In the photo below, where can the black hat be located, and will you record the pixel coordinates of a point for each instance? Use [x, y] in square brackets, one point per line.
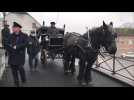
[53, 23]
[15, 24]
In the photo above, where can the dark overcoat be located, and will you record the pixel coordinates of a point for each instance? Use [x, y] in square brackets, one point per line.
[33, 46]
[5, 33]
[17, 56]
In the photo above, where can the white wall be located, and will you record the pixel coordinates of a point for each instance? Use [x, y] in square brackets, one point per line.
[23, 19]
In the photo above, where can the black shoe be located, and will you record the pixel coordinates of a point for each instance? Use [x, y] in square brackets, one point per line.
[17, 84]
[24, 81]
[31, 70]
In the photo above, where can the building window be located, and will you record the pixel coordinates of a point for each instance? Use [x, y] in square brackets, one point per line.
[133, 41]
[122, 41]
[130, 42]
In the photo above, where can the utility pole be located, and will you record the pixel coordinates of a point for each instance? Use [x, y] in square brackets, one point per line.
[89, 40]
[57, 19]
[4, 18]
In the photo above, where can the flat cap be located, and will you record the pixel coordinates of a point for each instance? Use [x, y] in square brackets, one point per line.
[15, 24]
[52, 23]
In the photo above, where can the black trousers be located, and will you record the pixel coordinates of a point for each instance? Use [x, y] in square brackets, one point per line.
[16, 71]
[33, 61]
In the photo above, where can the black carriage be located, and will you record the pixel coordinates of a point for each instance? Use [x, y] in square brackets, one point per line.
[52, 43]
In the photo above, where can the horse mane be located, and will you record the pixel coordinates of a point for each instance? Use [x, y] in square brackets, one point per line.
[76, 34]
[95, 36]
[68, 34]
[93, 32]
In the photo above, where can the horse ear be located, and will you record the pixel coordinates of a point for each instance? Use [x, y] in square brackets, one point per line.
[104, 24]
[111, 24]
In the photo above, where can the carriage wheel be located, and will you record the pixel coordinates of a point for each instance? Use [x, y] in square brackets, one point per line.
[43, 57]
[65, 64]
[52, 54]
[66, 72]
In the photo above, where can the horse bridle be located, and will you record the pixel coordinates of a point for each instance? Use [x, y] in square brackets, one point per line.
[89, 40]
[90, 46]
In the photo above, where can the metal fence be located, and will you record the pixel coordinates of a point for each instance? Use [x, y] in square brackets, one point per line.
[118, 67]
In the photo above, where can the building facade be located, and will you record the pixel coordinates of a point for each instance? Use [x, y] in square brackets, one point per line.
[26, 20]
[125, 43]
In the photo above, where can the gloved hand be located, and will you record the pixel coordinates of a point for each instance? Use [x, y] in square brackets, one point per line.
[14, 47]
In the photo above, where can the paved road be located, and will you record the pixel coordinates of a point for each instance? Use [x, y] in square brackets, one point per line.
[52, 75]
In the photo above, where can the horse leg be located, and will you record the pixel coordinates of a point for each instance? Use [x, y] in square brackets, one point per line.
[43, 56]
[66, 64]
[81, 71]
[88, 75]
[72, 65]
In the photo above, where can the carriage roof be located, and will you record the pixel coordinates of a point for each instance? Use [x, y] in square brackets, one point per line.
[46, 28]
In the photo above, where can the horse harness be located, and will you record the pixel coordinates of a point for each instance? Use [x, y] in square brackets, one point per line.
[89, 44]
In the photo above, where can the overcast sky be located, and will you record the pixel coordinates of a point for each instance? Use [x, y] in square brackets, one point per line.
[77, 21]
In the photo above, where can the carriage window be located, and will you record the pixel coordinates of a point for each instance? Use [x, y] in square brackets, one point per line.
[130, 42]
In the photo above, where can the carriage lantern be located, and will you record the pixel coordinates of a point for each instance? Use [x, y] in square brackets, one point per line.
[64, 26]
[43, 23]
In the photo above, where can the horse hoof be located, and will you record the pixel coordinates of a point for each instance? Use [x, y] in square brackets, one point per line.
[80, 83]
[72, 73]
[89, 83]
[66, 73]
[83, 84]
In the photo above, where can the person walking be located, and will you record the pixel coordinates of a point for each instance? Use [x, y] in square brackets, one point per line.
[33, 50]
[16, 46]
[5, 33]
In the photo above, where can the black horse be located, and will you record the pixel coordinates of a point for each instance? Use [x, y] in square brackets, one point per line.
[86, 48]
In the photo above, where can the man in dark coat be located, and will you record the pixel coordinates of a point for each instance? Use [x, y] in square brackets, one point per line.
[5, 35]
[53, 30]
[16, 46]
[33, 50]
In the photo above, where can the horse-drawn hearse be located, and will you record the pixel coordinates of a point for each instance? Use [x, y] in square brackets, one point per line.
[52, 42]
[84, 47]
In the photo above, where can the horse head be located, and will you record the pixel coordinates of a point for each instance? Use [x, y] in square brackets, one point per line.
[108, 37]
[103, 36]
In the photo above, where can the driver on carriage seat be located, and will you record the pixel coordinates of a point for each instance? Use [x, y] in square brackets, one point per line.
[53, 30]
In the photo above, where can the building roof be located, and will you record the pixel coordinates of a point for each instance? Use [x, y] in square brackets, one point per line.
[33, 19]
[24, 13]
[19, 12]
